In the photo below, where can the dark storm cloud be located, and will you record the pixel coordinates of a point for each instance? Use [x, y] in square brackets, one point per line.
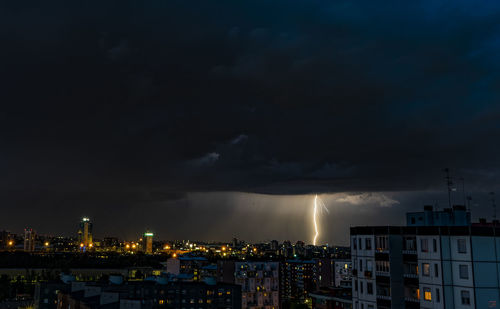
[148, 101]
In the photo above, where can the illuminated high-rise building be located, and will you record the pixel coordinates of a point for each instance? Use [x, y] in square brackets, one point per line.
[149, 242]
[85, 233]
[29, 240]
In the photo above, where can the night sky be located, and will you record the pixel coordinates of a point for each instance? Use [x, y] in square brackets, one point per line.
[212, 119]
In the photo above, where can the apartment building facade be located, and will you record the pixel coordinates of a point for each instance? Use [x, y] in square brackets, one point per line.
[259, 281]
[427, 266]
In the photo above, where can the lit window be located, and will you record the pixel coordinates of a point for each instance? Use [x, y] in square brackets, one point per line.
[426, 269]
[427, 294]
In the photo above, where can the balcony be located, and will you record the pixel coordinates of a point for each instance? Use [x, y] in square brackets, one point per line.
[383, 297]
[410, 275]
[411, 281]
[381, 256]
[411, 251]
[383, 303]
[382, 273]
[412, 305]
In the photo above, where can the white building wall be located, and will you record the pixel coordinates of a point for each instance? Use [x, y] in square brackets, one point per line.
[363, 259]
[430, 254]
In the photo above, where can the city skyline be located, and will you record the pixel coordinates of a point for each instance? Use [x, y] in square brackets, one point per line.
[332, 225]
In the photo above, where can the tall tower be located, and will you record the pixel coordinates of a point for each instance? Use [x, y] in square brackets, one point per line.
[85, 233]
[29, 240]
[149, 242]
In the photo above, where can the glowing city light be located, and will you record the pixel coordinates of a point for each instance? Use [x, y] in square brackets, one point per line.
[317, 202]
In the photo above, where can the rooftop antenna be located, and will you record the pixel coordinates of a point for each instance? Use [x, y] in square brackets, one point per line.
[463, 189]
[449, 184]
[494, 205]
[469, 199]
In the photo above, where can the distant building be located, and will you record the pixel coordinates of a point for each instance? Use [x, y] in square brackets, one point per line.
[110, 243]
[5, 238]
[149, 294]
[287, 249]
[326, 272]
[46, 294]
[299, 248]
[186, 268]
[149, 242]
[342, 273]
[208, 272]
[274, 245]
[29, 240]
[259, 281]
[456, 216]
[300, 277]
[85, 234]
[332, 298]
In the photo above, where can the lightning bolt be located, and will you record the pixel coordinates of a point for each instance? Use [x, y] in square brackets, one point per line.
[314, 219]
[322, 206]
